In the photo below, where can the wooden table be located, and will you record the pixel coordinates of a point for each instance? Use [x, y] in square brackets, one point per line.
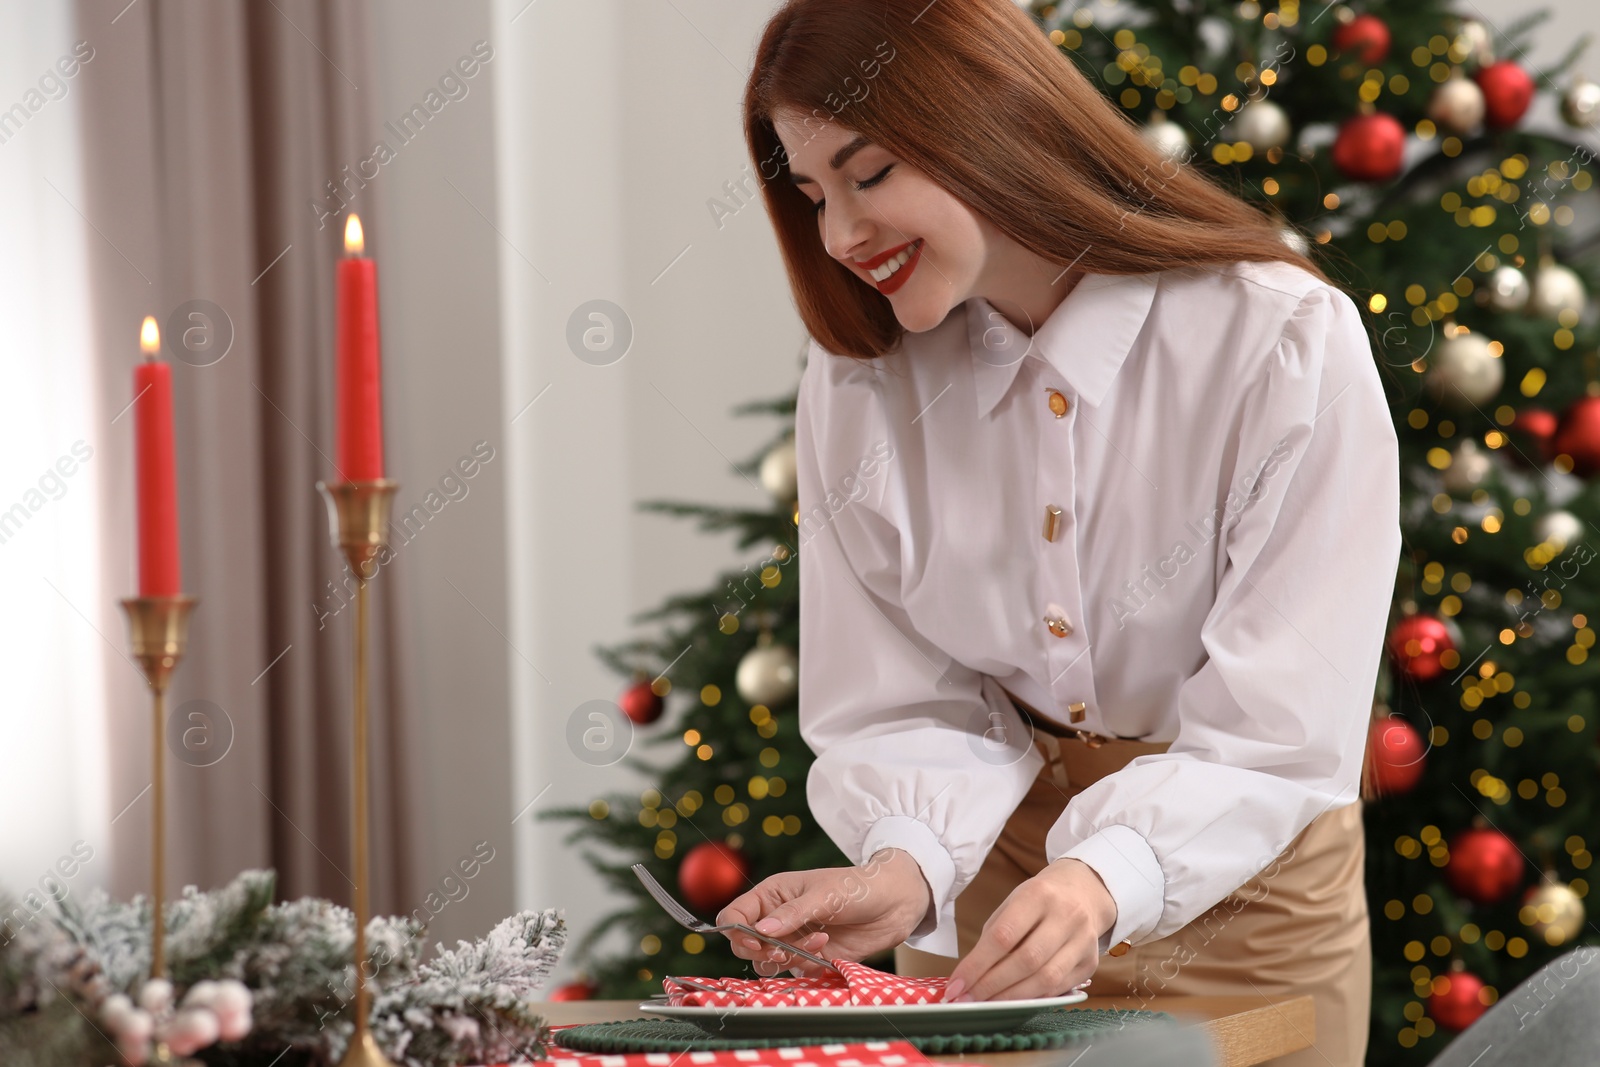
[1243, 1030]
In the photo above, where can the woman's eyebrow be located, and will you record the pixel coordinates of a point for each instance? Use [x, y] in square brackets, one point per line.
[840, 158]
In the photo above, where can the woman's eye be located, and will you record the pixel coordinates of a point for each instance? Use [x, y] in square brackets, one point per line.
[876, 178]
[868, 184]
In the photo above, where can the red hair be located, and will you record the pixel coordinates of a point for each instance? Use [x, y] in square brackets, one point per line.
[974, 95]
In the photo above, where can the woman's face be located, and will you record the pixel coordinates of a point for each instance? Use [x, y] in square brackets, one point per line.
[878, 210]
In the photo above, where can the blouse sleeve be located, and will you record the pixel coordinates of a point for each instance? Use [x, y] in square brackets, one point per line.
[913, 749]
[1272, 728]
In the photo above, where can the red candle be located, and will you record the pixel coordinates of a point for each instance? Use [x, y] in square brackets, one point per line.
[360, 385]
[156, 468]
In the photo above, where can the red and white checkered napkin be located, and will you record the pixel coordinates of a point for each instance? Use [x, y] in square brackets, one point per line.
[860, 1054]
[857, 984]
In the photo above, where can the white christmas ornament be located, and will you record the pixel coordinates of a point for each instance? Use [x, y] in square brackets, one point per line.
[1456, 105]
[778, 473]
[1507, 289]
[1476, 41]
[1261, 124]
[1555, 289]
[1580, 104]
[1559, 529]
[768, 674]
[1469, 466]
[1465, 372]
[1166, 137]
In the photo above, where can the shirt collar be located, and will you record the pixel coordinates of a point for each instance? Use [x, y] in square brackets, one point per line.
[1085, 339]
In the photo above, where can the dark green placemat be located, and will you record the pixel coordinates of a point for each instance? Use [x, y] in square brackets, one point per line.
[1052, 1029]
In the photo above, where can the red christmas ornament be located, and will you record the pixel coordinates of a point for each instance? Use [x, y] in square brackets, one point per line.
[1416, 643]
[640, 703]
[1369, 148]
[1396, 756]
[1367, 36]
[579, 990]
[1533, 429]
[711, 874]
[1578, 435]
[1456, 1001]
[1507, 92]
[1485, 866]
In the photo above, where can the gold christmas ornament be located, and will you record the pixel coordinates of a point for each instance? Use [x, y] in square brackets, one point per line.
[1465, 371]
[769, 673]
[1507, 289]
[1558, 529]
[1261, 124]
[1555, 289]
[1580, 104]
[1456, 105]
[1469, 466]
[778, 472]
[1476, 41]
[1553, 911]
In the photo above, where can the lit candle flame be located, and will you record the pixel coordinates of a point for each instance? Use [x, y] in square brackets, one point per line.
[149, 337]
[354, 242]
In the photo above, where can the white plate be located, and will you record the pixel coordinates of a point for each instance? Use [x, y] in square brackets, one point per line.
[887, 1020]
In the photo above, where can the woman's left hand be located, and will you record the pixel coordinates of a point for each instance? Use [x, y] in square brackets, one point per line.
[1042, 940]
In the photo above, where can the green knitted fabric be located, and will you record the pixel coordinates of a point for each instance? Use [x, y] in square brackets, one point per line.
[1050, 1030]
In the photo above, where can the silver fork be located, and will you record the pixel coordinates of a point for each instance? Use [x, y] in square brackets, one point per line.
[692, 984]
[686, 918]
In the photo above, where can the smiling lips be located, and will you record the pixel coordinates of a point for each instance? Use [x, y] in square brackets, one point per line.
[891, 269]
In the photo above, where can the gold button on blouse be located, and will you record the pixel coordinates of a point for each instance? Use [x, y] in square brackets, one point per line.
[1119, 949]
[1058, 626]
[1058, 403]
[1052, 521]
[1076, 711]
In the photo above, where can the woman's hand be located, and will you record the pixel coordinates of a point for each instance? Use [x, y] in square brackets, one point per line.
[856, 911]
[1042, 940]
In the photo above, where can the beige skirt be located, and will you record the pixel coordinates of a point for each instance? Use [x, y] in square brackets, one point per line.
[1301, 927]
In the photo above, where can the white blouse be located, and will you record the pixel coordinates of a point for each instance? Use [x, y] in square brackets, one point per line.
[1212, 451]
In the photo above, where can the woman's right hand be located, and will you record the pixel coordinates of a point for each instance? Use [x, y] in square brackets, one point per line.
[854, 911]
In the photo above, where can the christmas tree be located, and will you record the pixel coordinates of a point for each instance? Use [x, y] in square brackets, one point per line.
[728, 808]
[1390, 141]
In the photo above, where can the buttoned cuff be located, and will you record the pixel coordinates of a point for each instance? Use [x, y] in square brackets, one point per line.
[937, 931]
[1126, 864]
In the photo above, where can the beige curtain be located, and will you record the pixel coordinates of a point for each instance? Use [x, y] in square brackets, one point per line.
[209, 130]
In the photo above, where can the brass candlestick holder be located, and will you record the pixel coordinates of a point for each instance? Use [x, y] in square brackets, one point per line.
[158, 632]
[358, 520]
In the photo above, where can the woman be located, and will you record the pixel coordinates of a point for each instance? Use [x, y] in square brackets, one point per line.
[1099, 515]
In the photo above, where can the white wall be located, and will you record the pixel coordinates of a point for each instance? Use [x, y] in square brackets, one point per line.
[616, 125]
[566, 174]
